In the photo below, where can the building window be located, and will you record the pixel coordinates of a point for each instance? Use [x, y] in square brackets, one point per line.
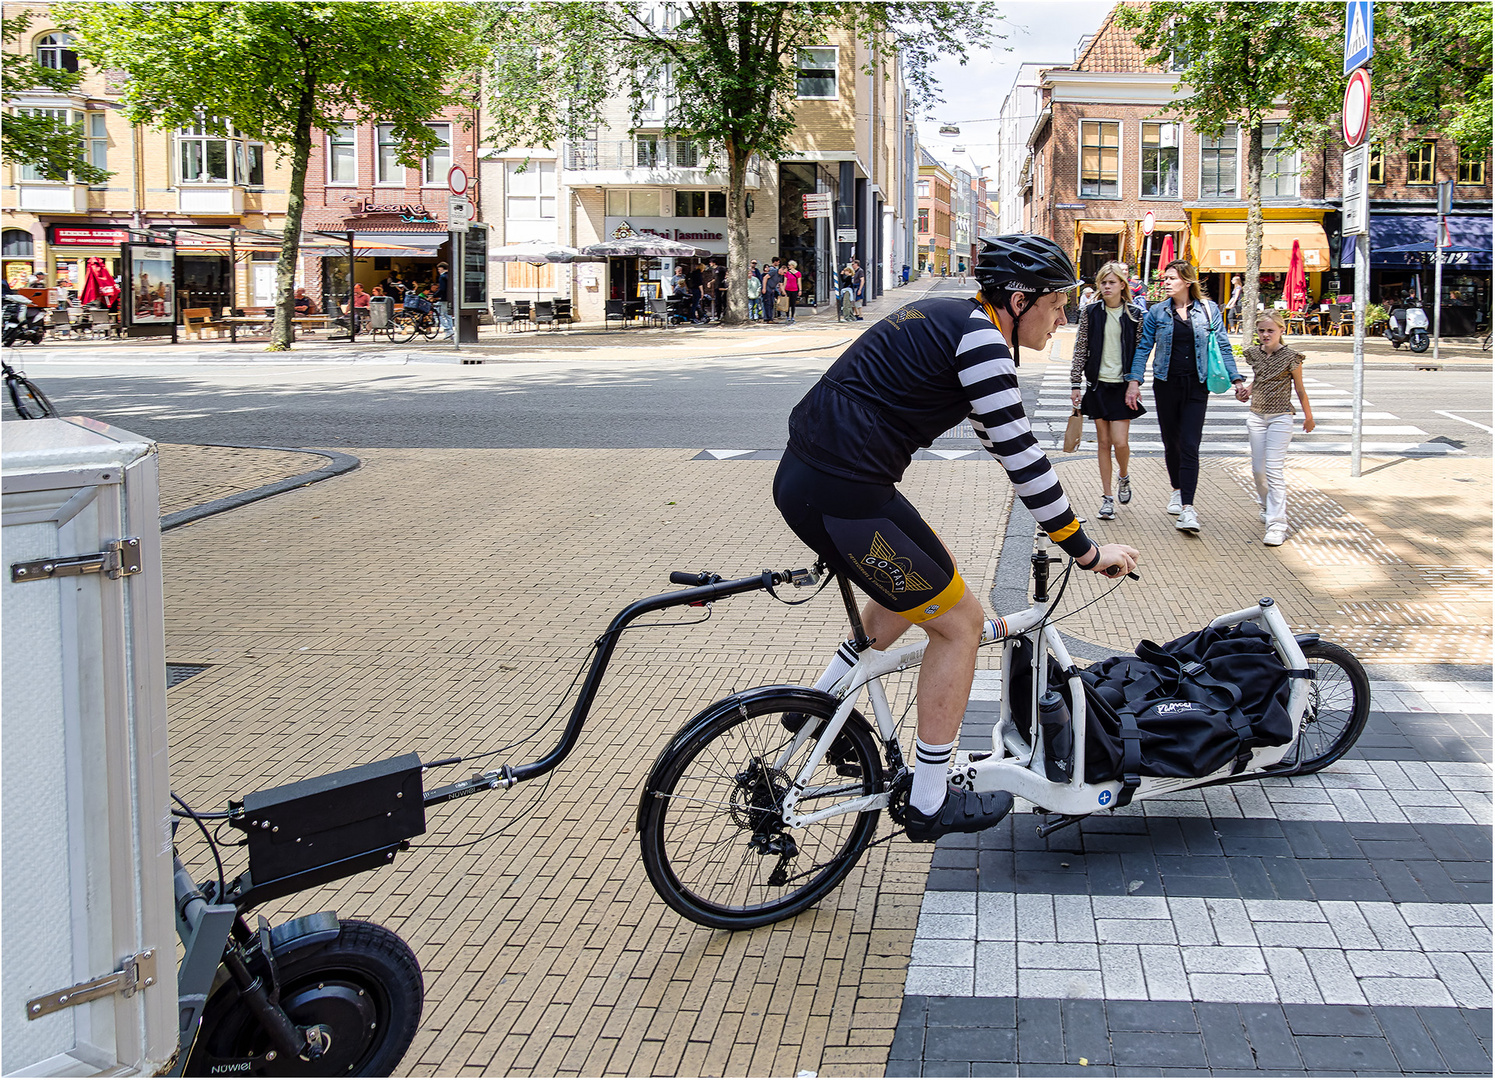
[91, 132]
[17, 244]
[1420, 163]
[251, 163]
[630, 202]
[52, 51]
[387, 167]
[98, 141]
[342, 155]
[923, 219]
[1471, 166]
[1219, 169]
[529, 194]
[923, 187]
[1100, 159]
[817, 73]
[1159, 161]
[439, 162]
[1279, 165]
[700, 204]
[1375, 171]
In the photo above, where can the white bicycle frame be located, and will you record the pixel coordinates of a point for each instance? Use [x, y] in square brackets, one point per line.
[1016, 763]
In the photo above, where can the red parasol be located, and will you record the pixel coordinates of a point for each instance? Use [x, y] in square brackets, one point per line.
[98, 285]
[1166, 256]
[1296, 290]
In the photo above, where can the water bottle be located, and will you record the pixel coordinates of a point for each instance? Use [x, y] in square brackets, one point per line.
[1058, 737]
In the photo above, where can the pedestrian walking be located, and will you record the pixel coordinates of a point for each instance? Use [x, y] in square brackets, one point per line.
[1233, 309]
[791, 287]
[755, 295]
[1088, 294]
[443, 300]
[694, 279]
[1104, 343]
[1176, 333]
[962, 271]
[859, 283]
[1276, 372]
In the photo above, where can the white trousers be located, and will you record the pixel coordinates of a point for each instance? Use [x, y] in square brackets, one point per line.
[1270, 436]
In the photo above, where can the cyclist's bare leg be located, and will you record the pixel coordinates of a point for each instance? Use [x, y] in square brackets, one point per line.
[949, 664]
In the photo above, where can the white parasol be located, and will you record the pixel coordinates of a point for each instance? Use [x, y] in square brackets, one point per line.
[540, 252]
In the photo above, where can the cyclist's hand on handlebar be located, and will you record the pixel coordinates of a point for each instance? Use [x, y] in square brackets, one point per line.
[1116, 560]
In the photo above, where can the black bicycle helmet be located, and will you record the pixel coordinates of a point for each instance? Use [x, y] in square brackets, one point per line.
[1022, 263]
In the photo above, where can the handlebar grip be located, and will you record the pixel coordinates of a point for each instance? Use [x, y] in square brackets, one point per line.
[683, 577]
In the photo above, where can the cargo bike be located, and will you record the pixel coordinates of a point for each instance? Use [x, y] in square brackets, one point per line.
[755, 810]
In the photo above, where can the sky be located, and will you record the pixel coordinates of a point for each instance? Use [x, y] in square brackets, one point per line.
[1037, 33]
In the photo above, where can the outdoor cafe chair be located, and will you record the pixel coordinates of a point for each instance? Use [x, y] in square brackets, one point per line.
[614, 309]
[545, 313]
[503, 314]
[563, 312]
[521, 311]
[659, 311]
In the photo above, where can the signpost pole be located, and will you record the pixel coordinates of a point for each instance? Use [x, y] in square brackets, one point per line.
[1445, 198]
[1362, 301]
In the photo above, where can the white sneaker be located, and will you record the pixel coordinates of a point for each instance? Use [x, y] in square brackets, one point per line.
[1275, 535]
[1176, 503]
[1263, 516]
[1107, 508]
[1187, 521]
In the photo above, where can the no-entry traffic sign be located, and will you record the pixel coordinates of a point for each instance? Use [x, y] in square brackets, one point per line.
[456, 180]
[1356, 112]
[1147, 222]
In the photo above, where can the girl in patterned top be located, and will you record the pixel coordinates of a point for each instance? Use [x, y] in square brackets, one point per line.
[1276, 372]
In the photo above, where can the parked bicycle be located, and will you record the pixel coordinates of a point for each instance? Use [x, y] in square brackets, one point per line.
[27, 398]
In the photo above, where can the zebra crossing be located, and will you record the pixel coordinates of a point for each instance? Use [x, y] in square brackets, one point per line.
[1225, 425]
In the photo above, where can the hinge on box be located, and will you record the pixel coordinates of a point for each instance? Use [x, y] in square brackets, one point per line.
[120, 559]
[136, 973]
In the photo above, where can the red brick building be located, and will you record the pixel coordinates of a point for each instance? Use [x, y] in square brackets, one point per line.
[355, 184]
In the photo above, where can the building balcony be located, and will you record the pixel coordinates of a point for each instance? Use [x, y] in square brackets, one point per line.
[649, 162]
[225, 199]
[48, 197]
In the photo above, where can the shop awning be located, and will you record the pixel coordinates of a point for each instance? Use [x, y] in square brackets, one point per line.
[1418, 231]
[1099, 225]
[1222, 246]
[426, 243]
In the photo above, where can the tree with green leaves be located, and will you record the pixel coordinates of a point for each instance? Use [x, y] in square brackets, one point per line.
[730, 68]
[52, 146]
[278, 71]
[1431, 73]
[1247, 64]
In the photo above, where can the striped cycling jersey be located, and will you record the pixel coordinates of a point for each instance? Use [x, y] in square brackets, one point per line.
[912, 377]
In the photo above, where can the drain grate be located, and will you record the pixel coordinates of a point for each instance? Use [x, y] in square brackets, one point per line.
[178, 673]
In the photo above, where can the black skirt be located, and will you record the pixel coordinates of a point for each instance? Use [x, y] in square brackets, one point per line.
[1107, 401]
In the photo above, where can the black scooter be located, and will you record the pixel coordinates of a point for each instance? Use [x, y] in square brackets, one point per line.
[25, 323]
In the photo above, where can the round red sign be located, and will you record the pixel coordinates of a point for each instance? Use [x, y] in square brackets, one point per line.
[1147, 222]
[456, 179]
[1356, 112]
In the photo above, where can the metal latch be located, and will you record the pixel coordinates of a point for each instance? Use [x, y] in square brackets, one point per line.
[120, 559]
[136, 973]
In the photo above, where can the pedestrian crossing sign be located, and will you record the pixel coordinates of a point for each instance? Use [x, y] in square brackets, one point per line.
[1359, 34]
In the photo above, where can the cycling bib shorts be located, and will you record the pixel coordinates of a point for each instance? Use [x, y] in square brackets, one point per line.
[871, 534]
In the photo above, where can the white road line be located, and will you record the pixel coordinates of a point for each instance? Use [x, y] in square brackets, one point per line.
[1464, 420]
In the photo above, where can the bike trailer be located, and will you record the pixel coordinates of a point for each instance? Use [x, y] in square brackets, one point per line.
[86, 927]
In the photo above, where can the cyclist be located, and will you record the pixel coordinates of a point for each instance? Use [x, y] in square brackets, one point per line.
[912, 377]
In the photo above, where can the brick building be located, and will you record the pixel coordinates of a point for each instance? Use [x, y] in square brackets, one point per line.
[354, 184]
[936, 238]
[1107, 146]
[195, 180]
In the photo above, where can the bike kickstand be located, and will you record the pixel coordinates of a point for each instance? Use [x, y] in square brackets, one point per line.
[1051, 826]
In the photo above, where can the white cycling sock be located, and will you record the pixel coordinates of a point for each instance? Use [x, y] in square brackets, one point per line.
[931, 772]
[844, 660]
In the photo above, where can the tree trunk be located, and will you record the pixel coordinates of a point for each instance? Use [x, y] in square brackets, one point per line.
[1252, 284]
[290, 244]
[735, 313]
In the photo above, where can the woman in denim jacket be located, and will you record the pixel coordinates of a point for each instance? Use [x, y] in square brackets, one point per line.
[1178, 374]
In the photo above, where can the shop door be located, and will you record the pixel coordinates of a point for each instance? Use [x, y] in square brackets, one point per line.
[1097, 249]
[622, 277]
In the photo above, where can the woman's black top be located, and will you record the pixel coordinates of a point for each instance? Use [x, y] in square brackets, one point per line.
[1181, 357]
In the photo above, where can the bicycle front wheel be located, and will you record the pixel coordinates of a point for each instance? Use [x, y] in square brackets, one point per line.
[714, 844]
[29, 402]
[1338, 706]
[404, 328]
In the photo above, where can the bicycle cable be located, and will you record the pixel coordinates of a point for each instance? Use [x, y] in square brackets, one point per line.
[213, 847]
[1116, 585]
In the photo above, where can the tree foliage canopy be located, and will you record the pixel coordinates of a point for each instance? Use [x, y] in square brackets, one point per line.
[1431, 72]
[53, 147]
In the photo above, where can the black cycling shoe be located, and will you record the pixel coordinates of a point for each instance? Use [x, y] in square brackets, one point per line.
[963, 812]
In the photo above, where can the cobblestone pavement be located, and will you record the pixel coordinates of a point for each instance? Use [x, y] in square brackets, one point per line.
[193, 475]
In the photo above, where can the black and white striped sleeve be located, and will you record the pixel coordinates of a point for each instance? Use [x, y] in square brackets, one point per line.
[984, 365]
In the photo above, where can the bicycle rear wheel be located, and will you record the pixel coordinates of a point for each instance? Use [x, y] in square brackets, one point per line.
[713, 843]
[404, 328]
[1338, 706]
[30, 403]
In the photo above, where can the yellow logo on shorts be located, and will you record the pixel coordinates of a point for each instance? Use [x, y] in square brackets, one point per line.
[895, 574]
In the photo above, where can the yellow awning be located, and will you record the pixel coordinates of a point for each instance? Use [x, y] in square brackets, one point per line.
[1099, 225]
[1222, 246]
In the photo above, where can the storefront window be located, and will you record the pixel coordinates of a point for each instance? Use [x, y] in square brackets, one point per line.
[1159, 161]
[439, 162]
[1218, 168]
[1100, 156]
[17, 244]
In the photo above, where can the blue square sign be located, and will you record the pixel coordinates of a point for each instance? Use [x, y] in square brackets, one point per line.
[1359, 34]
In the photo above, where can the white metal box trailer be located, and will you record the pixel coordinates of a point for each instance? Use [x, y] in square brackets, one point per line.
[87, 938]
